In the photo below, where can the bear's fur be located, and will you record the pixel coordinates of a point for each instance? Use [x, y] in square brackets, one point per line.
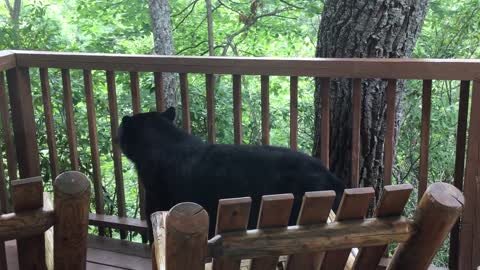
[177, 167]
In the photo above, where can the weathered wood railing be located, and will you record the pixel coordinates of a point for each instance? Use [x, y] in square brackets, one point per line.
[181, 234]
[31, 219]
[22, 149]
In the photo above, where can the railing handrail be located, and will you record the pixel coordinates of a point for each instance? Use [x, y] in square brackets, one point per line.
[398, 68]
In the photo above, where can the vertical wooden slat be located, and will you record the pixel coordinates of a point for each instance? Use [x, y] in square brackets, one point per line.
[354, 205]
[27, 195]
[470, 229]
[294, 112]
[325, 125]
[425, 137]
[265, 106]
[237, 109]
[459, 166]
[315, 210]
[23, 119]
[49, 123]
[135, 92]
[159, 94]
[232, 215]
[3, 256]
[389, 131]
[69, 118]
[92, 134]
[392, 202]
[185, 103]
[274, 212]
[210, 85]
[117, 155]
[356, 118]
[7, 132]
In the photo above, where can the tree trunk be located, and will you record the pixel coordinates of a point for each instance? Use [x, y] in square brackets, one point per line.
[368, 28]
[15, 19]
[163, 44]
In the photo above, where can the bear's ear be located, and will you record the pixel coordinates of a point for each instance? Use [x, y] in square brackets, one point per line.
[126, 119]
[170, 114]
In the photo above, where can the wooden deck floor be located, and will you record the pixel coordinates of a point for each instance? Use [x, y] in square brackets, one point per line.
[103, 254]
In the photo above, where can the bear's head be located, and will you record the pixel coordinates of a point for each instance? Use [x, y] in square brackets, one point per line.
[141, 132]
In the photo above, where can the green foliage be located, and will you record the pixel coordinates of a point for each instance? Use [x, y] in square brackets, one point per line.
[266, 28]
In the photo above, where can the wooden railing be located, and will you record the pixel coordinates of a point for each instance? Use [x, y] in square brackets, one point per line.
[22, 148]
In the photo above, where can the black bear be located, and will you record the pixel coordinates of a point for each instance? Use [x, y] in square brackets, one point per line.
[175, 167]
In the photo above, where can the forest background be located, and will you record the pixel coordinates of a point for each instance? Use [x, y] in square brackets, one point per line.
[284, 29]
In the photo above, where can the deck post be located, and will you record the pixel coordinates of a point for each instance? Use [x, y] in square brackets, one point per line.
[437, 212]
[180, 237]
[71, 202]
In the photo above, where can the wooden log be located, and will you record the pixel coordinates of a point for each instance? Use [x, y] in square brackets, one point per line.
[436, 214]
[265, 108]
[186, 237]
[159, 239]
[293, 113]
[312, 238]
[187, 125]
[315, 209]
[27, 195]
[391, 204]
[210, 85]
[25, 224]
[354, 205]
[232, 215]
[71, 201]
[274, 212]
[237, 108]
[425, 137]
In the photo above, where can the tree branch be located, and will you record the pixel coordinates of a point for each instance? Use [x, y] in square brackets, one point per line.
[185, 17]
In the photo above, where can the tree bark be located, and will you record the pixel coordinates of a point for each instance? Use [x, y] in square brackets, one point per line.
[14, 12]
[163, 44]
[363, 29]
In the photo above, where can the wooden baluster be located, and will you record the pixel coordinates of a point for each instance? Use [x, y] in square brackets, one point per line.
[117, 155]
[27, 194]
[135, 92]
[354, 205]
[356, 118]
[470, 229]
[237, 108]
[71, 199]
[159, 94]
[3, 210]
[233, 215]
[49, 123]
[325, 125]
[390, 93]
[7, 132]
[315, 210]
[441, 202]
[185, 103]
[93, 137]
[459, 166]
[294, 113]
[391, 204]
[69, 118]
[265, 106]
[425, 137]
[186, 237]
[210, 85]
[274, 212]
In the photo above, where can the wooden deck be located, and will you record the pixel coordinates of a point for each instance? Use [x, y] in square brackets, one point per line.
[103, 254]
